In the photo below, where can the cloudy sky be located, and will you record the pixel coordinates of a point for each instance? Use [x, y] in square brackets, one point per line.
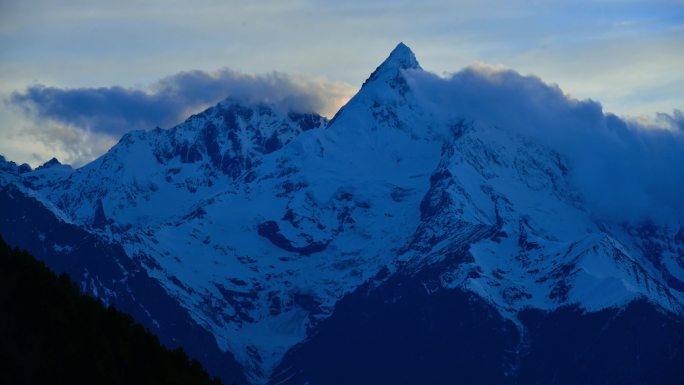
[75, 75]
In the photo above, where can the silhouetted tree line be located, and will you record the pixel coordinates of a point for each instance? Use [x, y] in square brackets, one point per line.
[50, 333]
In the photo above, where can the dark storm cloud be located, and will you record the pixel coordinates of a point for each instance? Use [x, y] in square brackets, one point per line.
[116, 110]
[624, 169]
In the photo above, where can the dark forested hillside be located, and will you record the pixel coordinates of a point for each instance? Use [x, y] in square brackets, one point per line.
[52, 334]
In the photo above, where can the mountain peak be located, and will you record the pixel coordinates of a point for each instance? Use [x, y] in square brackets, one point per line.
[401, 58]
[50, 163]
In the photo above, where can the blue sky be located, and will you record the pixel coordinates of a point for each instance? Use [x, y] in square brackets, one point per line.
[628, 55]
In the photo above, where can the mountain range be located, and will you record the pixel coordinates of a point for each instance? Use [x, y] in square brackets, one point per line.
[412, 238]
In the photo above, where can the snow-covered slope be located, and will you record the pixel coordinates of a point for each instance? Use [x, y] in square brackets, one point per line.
[259, 221]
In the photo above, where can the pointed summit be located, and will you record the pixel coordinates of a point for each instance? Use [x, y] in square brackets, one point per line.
[401, 58]
[50, 163]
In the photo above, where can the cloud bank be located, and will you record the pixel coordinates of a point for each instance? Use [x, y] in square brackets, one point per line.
[625, 169]
[117, 110]
[81, 123]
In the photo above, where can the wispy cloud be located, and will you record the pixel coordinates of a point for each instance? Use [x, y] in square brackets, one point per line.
[674, 121]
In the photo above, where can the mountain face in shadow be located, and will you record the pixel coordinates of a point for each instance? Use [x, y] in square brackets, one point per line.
[53, 334]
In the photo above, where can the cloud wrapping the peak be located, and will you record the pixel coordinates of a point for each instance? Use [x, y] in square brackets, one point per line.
[625, 169]
[116, 110]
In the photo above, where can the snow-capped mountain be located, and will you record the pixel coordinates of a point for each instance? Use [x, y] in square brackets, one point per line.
[265, 226]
